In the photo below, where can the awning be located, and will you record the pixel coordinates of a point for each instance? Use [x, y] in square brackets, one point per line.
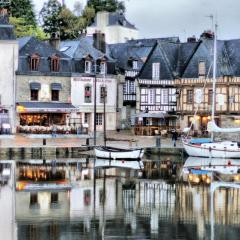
[35, 86]
[152, 115]
[45, 107]
[56, 86]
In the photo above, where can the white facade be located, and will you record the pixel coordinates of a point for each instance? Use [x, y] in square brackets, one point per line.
[113, 33]
[8, 66]
[85, 110]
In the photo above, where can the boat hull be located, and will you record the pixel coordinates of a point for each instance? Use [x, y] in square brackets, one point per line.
[207, 150]
[133, 154]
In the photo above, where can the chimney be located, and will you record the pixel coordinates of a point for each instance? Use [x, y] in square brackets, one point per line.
[54, 41]
[4, 16]
[192, 39]
[208, 34]
[99, 41]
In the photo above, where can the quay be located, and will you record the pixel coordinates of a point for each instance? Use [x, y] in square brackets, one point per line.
[64, 146]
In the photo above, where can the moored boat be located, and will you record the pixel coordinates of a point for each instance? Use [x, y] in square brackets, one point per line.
[118, 153]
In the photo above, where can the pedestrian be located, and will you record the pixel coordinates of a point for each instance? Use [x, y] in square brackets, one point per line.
[54, 131]
[174, 137]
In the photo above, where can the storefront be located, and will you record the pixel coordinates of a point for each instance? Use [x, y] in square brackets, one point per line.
[41, 117]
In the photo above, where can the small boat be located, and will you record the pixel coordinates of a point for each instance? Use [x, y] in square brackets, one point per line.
[118, 153]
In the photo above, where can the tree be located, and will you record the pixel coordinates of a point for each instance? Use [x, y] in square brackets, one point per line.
[106, 5]
[22, 29]
[50, 16]
[23, 9]
[77, 8]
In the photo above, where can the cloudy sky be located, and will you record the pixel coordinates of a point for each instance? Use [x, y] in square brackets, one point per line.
[165, 18]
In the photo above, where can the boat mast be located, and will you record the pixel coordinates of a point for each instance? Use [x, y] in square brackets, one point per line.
[214, 76]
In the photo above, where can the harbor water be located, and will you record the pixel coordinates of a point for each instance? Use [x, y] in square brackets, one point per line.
[68, 199]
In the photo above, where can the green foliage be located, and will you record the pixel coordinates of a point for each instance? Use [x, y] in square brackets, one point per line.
[106, 5]
[23, 9]
[50, 15]
[23, 29]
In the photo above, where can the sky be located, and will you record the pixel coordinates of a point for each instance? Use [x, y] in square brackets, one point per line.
[183, 18]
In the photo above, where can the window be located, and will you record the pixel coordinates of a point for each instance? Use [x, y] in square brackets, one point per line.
[189, 96]
[131, 87]
[210, 96]
[102, 68]
[156, 71]
[55, 95]
[54, 64]
[99, 119]
[88, 94]
[34, 62]
[86, 117]
[88, 67]
[34, 95]
[201, 69]
[151, 96]
[103, 91]
[165, 96]
[135, 64]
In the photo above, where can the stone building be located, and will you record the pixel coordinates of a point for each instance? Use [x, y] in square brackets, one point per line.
[43, 86]
[8, 66]
[116, 27]
[91, 63]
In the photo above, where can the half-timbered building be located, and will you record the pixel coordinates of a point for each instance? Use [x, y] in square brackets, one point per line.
[195, 83]
[156, 92]
[130, 57]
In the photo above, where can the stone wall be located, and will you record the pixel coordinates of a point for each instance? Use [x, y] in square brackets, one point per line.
[23, 88]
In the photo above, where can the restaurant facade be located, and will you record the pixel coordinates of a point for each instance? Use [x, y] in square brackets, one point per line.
[43, 97]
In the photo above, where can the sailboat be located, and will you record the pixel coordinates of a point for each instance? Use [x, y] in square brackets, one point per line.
[107, 152]
[209, 147]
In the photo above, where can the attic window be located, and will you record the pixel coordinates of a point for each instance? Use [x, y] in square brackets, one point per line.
[103, 67]
[88, 66]
[201, 69]
[54, 64]
[135, 64]
[156, 71]
[34, 62]
[63, 49]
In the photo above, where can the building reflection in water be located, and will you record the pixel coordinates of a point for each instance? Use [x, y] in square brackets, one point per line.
[109, 203]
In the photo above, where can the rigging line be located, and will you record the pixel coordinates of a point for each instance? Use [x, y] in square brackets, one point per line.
[204, 86]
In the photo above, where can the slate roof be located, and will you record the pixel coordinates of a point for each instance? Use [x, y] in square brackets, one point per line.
[31, 45]
[167, 54]
[116, 18]
[6, 30]
[80, 48]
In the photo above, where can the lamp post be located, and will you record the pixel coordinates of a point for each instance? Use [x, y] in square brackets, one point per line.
[95, 103]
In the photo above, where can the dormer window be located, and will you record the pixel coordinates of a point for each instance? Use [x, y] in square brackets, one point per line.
[201, 69]
[103, 67]
[135, 64]
[34, 62]
[88, 66]
[156, 71]
[54, 64]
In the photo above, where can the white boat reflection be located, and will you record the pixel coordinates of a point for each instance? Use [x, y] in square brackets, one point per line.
[197, 169]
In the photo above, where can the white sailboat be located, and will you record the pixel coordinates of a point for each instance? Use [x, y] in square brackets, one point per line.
[209, 147]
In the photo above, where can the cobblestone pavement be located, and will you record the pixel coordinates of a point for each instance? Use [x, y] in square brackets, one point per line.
[123, 138]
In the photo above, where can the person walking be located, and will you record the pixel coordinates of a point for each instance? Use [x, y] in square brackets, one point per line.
[174, 137]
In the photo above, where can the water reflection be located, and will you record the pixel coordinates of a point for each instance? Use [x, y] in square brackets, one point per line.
[85, 199]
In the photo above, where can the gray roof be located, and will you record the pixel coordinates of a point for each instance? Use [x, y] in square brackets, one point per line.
[116, 18]
[82, 47]
[167, 54]
[6, 32]
[31, 45]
